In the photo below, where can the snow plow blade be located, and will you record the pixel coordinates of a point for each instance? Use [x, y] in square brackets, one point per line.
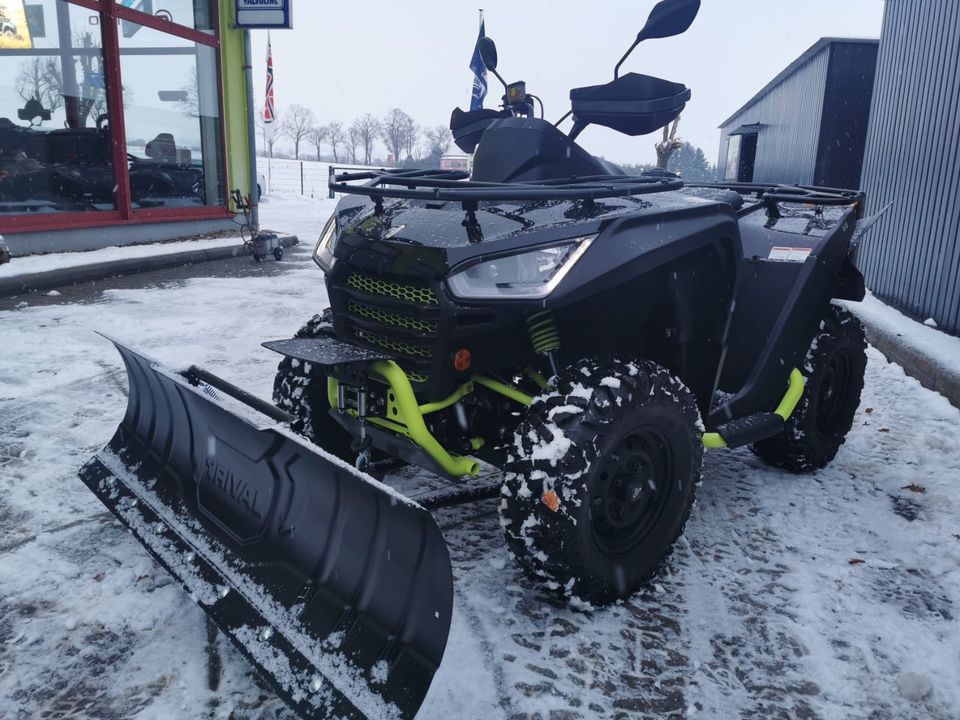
[338, 589]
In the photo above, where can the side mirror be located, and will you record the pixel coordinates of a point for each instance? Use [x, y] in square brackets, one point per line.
[488, 52]
[669, 18]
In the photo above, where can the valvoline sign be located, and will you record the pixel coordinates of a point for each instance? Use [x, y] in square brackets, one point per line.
[264, 14]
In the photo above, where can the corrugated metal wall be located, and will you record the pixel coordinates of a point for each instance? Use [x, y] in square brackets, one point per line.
[912, 257]
[791, 111]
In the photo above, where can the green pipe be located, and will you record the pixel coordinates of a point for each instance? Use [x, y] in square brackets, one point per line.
[403, 408]
[784, 409]
[457, 395]
[405, 415]
[503, 389]
[792, 398]
[539, 379]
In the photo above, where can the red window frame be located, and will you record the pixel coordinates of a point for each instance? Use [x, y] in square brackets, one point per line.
[110, 15]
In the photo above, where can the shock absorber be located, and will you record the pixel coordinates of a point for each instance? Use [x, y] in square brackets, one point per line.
[544, 337]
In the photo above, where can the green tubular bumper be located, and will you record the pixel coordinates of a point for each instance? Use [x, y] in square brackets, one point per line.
[784, 409]
[405, 415]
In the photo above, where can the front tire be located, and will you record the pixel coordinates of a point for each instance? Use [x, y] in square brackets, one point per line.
[603, 478]
[300, 388]
[833, 369]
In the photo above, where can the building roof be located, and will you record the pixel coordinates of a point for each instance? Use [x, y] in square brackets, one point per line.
[796, 65]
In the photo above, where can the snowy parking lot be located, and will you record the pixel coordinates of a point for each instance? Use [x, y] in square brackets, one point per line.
[827, 596]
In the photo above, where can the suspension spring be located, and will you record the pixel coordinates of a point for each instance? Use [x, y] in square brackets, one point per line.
[543, 332]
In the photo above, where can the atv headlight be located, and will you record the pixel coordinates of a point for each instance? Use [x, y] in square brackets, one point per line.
[533, 274]
[323, 252]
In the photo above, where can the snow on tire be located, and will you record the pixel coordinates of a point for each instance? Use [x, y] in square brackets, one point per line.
[833, 369]
[602, 478]
[300, 389]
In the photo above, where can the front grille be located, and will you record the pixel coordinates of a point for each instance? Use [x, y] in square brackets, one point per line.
[397, 315]
[394, 345]
[393, 319]
[404, 292]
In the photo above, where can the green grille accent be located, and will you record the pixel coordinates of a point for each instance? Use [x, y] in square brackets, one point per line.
[398, 320]
[398, 291]
[392, 344]
[418, 378]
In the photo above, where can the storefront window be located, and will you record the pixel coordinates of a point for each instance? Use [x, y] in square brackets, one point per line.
[195, 14]
[55, 136]
[171, 110]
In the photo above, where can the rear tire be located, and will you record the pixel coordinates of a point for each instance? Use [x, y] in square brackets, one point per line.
[300, 389]
[834, 369]
[616, 451]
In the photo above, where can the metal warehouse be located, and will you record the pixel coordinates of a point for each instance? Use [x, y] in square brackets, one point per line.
[912, 257]
[809, 124]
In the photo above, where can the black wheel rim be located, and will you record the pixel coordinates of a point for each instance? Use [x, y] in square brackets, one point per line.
[833, 396]
[630, 491]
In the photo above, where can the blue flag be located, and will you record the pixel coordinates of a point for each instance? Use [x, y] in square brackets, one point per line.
[479, 74]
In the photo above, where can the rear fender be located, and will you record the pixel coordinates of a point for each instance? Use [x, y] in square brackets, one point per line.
[826, 275]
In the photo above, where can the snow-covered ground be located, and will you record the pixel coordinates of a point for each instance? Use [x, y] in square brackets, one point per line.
[58, 261]
[788, 597]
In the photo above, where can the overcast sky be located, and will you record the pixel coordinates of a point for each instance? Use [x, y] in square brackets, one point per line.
[346, 58]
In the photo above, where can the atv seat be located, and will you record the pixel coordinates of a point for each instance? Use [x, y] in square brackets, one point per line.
[632, 104]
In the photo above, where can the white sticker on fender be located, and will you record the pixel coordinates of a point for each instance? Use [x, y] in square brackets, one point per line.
[789, 254]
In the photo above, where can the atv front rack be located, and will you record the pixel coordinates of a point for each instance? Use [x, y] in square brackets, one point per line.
[454, 186]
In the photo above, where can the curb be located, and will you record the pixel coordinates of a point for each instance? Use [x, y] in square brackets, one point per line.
[932, 374]
[32, 282]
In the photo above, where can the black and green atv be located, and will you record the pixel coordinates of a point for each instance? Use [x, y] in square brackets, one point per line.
[586, 332]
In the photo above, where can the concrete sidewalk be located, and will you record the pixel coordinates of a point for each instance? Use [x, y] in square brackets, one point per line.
[925, 353]
[46, 272]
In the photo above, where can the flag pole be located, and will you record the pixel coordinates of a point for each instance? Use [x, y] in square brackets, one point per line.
[251, 132]
[269, 147]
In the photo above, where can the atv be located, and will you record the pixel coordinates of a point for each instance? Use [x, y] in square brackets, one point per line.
[586, 332]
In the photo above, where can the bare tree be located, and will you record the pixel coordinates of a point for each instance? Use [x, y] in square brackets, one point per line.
[297, 126]
[368, 127]
[668, 145]
[93, 100]
[438, 140]
[395, 130]
[353, 142]
[39, 79]
[267, 138]
[42, 78]
[335, 137]
[318, 134]
[190, 102]
[411, 135]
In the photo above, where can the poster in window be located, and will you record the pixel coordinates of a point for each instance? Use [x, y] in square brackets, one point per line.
[14, 32]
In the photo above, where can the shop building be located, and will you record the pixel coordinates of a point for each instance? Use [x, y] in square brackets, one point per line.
[808, 125]
[120, 121]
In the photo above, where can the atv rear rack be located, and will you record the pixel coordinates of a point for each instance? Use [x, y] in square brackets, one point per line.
[454, 186]
[769, 196]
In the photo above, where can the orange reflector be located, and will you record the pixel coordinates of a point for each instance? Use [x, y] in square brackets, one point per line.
[461, 361]
[551, 500]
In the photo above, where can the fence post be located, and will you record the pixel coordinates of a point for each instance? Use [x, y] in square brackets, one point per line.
[330, 175]
[301, 179]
